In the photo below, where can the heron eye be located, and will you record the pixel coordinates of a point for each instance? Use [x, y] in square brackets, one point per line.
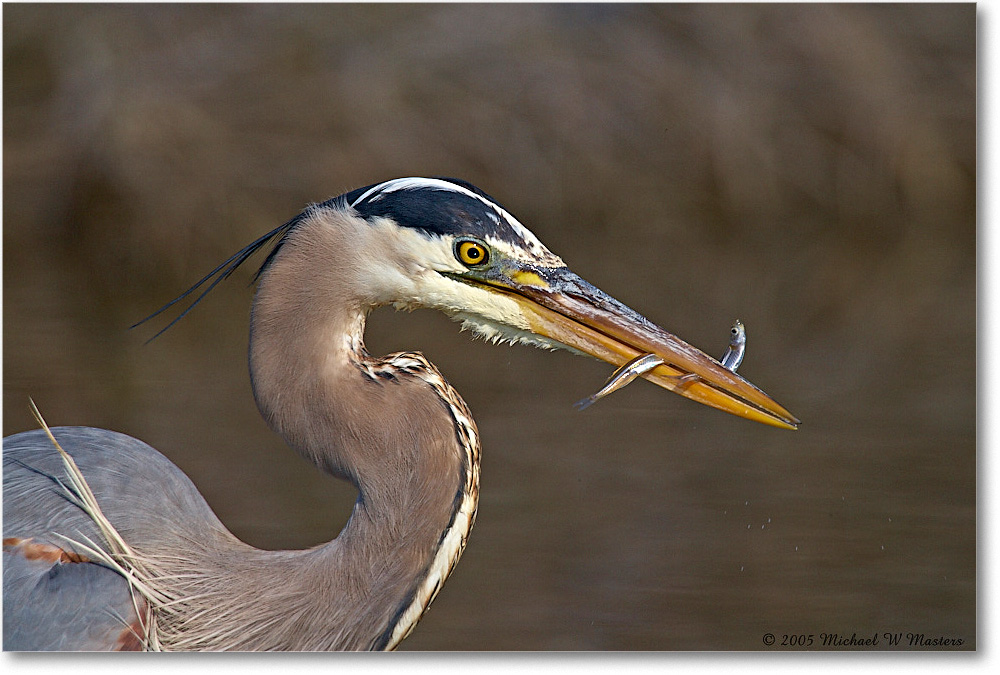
[471, 253]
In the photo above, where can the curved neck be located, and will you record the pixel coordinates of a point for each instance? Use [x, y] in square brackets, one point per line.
[392, 426]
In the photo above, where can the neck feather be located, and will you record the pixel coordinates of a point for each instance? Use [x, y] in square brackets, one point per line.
[392, 426]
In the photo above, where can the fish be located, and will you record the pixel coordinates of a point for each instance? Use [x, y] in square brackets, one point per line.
[733, 357]
[621, 377]
[644, 363]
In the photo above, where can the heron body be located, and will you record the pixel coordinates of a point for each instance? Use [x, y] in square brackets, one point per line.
[391, 425]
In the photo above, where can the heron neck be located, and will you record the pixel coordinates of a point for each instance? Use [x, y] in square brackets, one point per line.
[392, 426]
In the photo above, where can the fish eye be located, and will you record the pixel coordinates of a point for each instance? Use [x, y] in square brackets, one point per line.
[471, 253]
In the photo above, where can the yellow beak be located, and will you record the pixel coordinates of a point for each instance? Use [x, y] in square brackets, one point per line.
[563, 307]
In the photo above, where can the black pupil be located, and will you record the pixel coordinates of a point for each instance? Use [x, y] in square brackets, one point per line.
[473, 253]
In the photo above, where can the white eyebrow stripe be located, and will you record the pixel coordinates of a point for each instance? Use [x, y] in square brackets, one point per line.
[438, 184]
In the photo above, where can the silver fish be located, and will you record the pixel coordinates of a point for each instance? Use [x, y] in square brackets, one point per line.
[733, 357]
[631, 370]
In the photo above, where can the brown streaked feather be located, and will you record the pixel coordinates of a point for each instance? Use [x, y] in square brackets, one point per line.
[46, 552]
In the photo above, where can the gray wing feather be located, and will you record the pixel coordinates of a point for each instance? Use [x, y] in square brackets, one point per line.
[63, 606]
[151, 503]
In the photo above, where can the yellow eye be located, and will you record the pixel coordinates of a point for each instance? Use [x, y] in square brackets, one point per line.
[471, 253]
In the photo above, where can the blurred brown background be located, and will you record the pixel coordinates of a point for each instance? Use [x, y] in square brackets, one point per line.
[808, 169]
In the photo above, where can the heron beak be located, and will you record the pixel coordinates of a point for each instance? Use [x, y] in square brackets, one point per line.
[563, 307]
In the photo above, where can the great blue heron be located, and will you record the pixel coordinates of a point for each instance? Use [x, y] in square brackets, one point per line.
[160, 570]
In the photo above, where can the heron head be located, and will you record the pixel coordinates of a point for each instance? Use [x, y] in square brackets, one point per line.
[445, 244]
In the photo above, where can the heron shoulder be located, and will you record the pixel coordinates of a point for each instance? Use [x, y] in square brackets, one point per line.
[121, 471]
